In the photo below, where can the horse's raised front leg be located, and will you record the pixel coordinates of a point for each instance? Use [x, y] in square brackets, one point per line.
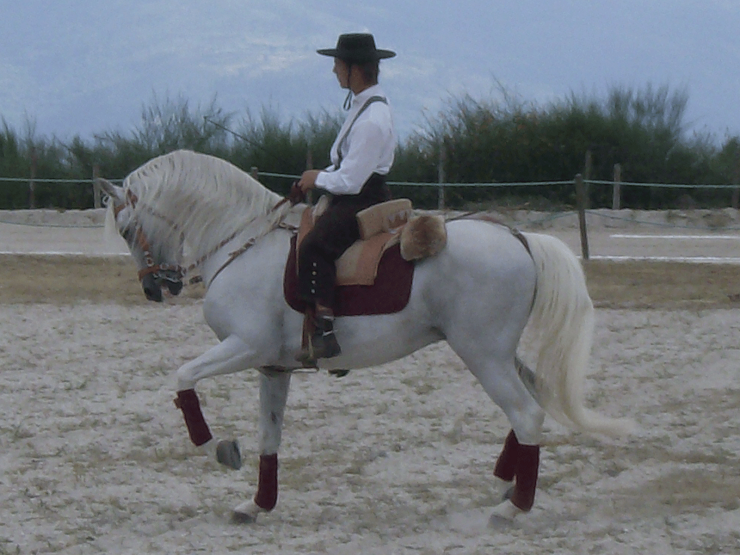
[224, 451]
[231, 355]
[274, 388]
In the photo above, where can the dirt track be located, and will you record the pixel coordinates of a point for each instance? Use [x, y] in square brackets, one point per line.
[94, 458]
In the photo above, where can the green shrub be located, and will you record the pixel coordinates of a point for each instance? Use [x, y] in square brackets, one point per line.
[504, 140]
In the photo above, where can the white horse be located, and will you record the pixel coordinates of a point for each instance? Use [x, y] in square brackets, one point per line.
[477, 294]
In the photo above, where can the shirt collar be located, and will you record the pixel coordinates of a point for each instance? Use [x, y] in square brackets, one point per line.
[359, 99]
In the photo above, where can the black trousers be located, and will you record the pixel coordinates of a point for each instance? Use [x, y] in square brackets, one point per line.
[333, 233]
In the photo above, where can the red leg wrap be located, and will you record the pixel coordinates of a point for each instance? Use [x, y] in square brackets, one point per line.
[267, 489]
[528, 464]
[187, 402]
[506, 464]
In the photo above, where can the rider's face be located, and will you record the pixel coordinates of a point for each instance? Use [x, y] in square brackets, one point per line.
[341, 70]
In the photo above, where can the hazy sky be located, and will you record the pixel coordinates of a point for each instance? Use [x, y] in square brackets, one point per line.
[83, 67]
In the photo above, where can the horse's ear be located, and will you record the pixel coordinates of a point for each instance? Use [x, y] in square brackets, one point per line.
[113, 191]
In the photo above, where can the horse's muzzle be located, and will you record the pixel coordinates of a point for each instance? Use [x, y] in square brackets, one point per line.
[152, 285]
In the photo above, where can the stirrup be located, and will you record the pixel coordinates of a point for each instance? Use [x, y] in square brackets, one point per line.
[320, 341]
[326, 347]
[324, 344]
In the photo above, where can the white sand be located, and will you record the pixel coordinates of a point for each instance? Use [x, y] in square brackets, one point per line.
[94, 457]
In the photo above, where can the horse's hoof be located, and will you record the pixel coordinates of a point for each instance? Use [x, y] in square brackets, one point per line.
[503, 514]
[242, 518]
[227, 453]
[496, 522]
[246, 513]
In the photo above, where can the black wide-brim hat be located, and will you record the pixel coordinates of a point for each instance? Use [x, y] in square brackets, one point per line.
[357, 48]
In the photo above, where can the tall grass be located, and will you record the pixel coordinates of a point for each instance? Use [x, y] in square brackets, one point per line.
[510, 140]
[485, 140]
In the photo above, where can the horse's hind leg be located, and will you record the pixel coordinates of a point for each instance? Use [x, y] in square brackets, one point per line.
[519, 460]
[506, 464]
[274, 386]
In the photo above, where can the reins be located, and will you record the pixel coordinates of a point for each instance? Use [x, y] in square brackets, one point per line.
[250, 243]
[246, 246]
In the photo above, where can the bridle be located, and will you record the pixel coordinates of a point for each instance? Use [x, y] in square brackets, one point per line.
[163, 271]
[175, 273]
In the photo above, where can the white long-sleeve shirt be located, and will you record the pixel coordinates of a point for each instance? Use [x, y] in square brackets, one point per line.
[368, 148]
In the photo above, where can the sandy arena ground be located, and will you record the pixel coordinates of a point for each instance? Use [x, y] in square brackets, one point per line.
[94, 457]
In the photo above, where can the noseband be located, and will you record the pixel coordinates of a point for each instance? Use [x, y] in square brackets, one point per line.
[160, 271]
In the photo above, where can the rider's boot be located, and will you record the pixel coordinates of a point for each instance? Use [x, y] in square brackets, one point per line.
[322, 342]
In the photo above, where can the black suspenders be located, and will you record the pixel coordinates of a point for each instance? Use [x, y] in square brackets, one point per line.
[346, 133]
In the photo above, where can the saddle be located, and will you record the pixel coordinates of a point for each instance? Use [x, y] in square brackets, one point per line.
[374, 275]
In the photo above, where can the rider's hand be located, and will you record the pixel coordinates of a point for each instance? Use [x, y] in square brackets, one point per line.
[308, 180]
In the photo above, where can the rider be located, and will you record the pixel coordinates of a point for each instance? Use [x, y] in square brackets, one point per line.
[361, 156]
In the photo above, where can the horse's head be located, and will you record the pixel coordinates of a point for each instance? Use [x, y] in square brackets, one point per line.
[153, 260]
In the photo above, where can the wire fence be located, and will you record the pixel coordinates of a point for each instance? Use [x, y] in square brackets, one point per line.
[442, 188]
[413, 183]
[430, 184]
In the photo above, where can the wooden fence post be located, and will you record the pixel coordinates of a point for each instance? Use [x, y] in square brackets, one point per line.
[581, 199]
[736, 190]
[586, 178]
[617, 190]
[309, 166]
[441, 177]
[32, 180]
[96, 187]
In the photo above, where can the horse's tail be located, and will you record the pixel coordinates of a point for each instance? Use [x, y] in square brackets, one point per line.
[563, 320]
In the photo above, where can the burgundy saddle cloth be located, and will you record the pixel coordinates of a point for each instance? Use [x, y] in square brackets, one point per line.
[390, 293]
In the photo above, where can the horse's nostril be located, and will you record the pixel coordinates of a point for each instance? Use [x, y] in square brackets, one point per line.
[153, 294]
[174, 287]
